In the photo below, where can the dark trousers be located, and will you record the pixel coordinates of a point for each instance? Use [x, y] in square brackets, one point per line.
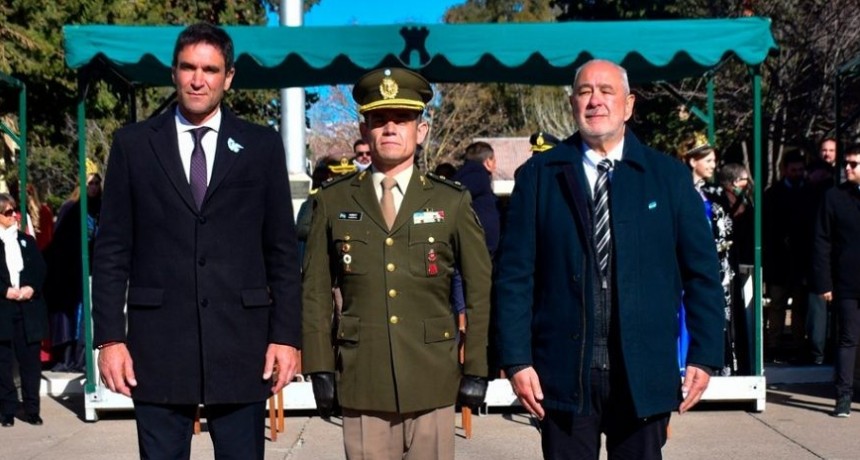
[164, 430]
[816, 327]
[846, 348]
[565, 436]
[29, 367]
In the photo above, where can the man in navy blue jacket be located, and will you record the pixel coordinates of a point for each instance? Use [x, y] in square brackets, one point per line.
[590, 345]
[476, 175]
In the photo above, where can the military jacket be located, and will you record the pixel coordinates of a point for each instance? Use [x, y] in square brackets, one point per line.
[395, 347]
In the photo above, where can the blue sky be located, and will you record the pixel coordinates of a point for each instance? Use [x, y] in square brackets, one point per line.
[374, 12]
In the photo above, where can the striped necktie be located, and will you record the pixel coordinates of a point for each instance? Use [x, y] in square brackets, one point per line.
[602, 231]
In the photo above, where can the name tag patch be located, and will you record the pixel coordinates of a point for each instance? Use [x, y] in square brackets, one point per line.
[349, 215]
[428, 217]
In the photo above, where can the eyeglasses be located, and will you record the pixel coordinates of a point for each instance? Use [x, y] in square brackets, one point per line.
[9, 212]
[362, 153]
[852, 164]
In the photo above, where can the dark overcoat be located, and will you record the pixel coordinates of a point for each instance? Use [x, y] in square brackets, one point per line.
[34, 310]
[662, 246]
[836, 244]
[395, 349]
[207, 290]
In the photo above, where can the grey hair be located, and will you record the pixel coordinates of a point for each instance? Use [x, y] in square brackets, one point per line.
[621, 70]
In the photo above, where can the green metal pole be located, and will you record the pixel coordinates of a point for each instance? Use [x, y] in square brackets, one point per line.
[90, 386]
[22, 156]
[712, 136]
[757, 200]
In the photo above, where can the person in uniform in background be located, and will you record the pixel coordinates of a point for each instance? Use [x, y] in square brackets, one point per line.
[541, 142]
[392, 236]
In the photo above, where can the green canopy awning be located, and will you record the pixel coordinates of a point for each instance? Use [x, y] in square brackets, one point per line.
[533, 53]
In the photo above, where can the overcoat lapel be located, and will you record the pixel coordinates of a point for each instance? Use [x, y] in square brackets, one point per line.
[163, 140]
[627, 189]
[576, 190]
[225, 158]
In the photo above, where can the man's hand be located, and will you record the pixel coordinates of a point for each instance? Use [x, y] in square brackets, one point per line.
[323, 386]
[285, 359]
[472, 392]
[695, 383]
[828, 296]
[526, 386]
[116, 368]
[13, 293]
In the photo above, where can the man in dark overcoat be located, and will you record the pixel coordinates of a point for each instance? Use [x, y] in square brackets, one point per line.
[197, 238]
[605, 237]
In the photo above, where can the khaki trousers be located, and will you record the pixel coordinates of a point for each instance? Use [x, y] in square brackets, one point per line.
[426, 435]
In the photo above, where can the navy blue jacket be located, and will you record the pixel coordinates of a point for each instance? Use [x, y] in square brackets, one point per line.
[544, 283]
[475, 177]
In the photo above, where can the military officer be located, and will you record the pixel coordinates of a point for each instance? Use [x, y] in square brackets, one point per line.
[541, 142]
[390, 237]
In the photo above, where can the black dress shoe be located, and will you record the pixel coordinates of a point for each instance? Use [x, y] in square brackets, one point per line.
[7, 420]
[33, 419]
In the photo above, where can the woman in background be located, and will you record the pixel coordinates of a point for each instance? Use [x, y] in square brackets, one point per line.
[23, 317]
[701, 158]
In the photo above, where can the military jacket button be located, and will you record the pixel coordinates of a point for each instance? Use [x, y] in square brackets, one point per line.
[447, 335]
[390, 267]
[394, 319]
[389, 242]
[392, 293]
[431, 240]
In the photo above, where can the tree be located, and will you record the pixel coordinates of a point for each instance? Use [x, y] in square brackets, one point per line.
[31, 51]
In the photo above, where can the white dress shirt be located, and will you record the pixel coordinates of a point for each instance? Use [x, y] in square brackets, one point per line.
[186, 142]
[591, 158]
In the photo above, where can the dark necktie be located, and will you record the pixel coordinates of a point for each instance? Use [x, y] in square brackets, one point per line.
[602, 232]
[387, 200]
[197, 174]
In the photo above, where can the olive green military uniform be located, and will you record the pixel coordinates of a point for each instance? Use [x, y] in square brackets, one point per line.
[395, 347]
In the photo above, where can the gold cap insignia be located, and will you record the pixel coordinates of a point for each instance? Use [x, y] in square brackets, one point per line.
[539, 141]
[344, 167]
[388, 88]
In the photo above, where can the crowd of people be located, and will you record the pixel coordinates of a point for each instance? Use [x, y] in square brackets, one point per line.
[611, 272]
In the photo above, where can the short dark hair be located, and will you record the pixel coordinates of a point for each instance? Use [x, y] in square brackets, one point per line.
[794, 156]
[357, 143]
[731, 172]
[479, 151]
[853, 149]
[826, 139]
[203, 32]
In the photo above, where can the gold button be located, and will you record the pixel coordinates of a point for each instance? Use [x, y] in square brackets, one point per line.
[431, 239]
[394, 320]
[392, 293]
[447, 335]
[389, 242]
[347, 238]
[390, 267]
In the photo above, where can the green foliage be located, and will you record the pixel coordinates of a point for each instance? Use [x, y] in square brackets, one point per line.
[31, 50]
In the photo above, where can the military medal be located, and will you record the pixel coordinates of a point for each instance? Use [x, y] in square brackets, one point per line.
[347, 259]
[432, 269]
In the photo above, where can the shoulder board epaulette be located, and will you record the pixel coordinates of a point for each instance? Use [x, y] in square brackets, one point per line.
[337, 179]
[444, 180]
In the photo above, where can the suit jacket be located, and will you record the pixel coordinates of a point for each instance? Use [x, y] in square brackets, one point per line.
[545, 281]
[836, 248]
[787, 216]
[34, 310]
[206, 290]
[397, 339]
[474, 176]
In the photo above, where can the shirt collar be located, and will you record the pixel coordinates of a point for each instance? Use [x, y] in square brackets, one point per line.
[592, 157]
[402, 178]
[183, 125]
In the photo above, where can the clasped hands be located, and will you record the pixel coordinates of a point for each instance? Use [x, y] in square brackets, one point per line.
[21, 294]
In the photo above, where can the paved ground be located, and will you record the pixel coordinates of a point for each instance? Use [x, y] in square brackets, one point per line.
[795, 425]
